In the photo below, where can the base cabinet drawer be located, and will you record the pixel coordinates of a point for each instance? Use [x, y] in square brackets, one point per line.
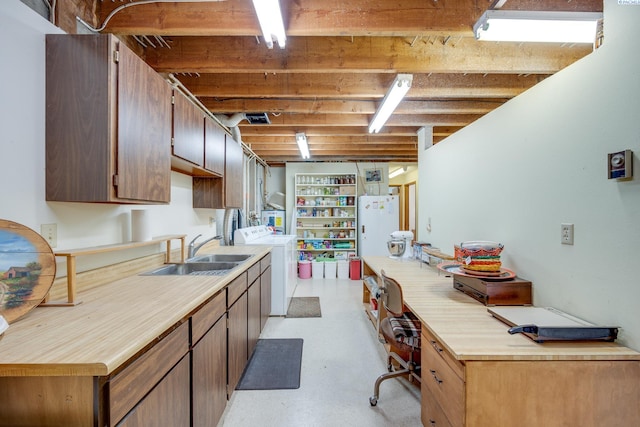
[432, 414]
[443, 383]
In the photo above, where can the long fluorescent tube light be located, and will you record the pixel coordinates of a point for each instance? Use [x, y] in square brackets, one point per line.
[396, 92]
[271, 23]
[397, 172]
[301, 139]
[539, 26]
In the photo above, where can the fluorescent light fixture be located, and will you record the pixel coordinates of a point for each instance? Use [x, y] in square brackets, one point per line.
[396, 92]
[540, 26]
[397, 172]
[271, 23]
[301, 139]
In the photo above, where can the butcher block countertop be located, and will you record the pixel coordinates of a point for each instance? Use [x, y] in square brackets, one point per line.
[112, 324]
[465, 327]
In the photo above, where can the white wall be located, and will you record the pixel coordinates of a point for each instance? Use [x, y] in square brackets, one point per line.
[22, 179]
[540, 160]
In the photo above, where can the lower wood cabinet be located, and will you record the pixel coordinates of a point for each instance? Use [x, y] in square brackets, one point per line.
[209, 375]
[253, 315]
[184, 378]
[129, 387]
[168, 403]
[237, 342]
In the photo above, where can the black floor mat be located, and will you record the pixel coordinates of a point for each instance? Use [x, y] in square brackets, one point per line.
[275, 364]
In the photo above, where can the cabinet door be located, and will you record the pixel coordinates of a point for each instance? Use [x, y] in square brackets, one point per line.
[237, 341]
[254, 315]
[144, 131]
[209, 375]
[214, 147]
[167, 404]
[108, 123]
[226, 192]
[233, 174]
[188, 130]
[265, 296]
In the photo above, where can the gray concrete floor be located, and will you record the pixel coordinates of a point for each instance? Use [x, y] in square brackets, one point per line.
[341, 359]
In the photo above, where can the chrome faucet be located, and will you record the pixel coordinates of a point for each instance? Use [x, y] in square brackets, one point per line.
[193, 248]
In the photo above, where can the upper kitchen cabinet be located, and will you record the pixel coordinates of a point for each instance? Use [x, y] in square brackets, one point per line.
[187, 142]
[108, 123]
[214, 147]
[225, 192]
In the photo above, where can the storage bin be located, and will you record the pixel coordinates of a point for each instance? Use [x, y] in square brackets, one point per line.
[354, 273]
[343, 269]
[330, 268]
[304, 269]
[317, 269]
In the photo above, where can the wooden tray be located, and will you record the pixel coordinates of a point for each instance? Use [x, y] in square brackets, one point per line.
[27, 269]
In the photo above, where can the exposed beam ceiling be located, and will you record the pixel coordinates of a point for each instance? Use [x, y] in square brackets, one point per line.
[339, 61]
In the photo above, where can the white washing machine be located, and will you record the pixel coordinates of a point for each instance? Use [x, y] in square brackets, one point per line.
[283, 262]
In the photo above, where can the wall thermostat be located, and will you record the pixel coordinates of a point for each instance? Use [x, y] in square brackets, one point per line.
[620, 164]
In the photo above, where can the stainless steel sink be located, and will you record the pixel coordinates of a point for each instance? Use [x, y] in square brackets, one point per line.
[237, 258]
[193, 269]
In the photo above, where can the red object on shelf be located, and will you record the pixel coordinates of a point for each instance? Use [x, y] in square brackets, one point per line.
[354, 269]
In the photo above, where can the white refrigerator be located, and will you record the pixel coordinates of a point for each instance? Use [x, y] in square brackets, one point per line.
[378, 217]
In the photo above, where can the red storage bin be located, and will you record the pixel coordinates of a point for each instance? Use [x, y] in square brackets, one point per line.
[354, 269]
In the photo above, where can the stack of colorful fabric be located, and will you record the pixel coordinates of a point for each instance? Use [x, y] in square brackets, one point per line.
[481, 256]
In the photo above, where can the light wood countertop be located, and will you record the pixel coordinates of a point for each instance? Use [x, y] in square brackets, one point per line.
[468, 330]
[114, 322]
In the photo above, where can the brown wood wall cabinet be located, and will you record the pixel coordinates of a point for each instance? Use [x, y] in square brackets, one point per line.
[115, 130]
[475, 374]
[108, 123]
[225, 192]
[182, 378]
[187, 141]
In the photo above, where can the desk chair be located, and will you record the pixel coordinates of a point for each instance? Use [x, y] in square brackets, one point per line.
[401, 330]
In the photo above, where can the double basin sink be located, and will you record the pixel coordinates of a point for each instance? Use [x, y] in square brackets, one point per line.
[202, 265]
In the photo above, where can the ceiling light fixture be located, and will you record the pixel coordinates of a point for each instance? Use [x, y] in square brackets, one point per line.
[301, 140]
[539, 26]
[397, 172]
[126, 5]
[271, 23]
[396, 92]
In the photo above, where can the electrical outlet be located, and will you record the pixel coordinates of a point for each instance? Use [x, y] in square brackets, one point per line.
[50, 234]
[566, 234]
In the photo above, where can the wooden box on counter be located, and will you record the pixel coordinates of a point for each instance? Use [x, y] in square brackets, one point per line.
[516, 291]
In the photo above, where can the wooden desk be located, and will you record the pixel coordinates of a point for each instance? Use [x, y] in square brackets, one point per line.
[476, 374]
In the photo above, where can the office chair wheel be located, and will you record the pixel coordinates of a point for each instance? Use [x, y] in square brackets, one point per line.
[373, 400]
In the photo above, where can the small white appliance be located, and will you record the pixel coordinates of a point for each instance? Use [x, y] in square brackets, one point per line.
[378, 217]
[283, 262]
[400, 239]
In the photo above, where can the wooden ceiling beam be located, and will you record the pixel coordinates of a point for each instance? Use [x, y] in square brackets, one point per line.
[334, 140]
[362, 55]
[311, 17]
[276, 105]
[362, 120]
[356, 86]
[275, 130]
[317, 17]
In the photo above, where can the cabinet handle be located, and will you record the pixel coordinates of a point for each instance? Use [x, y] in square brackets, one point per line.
[434, 344]
[432, 422]
[435, 377]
